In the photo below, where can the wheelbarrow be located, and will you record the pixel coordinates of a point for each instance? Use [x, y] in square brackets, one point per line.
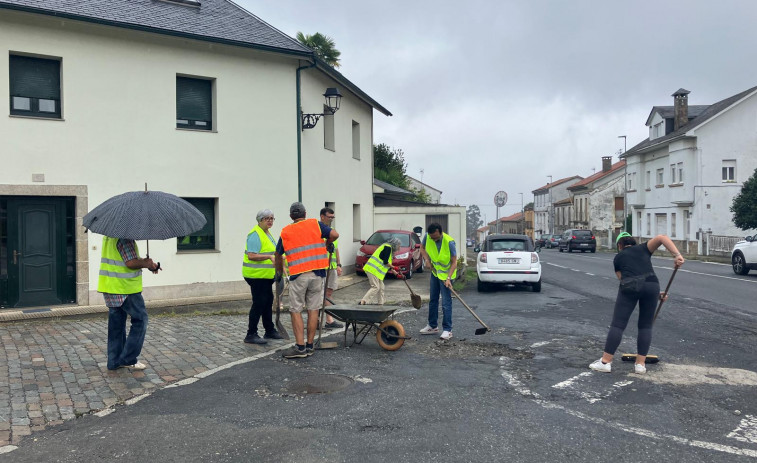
[390, 334]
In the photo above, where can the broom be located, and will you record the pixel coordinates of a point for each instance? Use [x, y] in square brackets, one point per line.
[653, 358]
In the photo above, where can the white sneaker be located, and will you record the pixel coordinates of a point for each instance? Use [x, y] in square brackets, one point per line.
[639, 369]
[599, 366]
[446, 335]
[429, 330]
[136, 366]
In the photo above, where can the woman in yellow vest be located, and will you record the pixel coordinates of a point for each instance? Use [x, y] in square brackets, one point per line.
[440, 255]
[376, 268]
[258, 271]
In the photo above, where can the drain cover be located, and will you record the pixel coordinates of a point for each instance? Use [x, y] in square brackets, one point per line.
[319, 384]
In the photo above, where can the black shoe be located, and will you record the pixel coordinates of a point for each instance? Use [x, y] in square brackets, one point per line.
[254, 339]
[309, 350]
[294, 353]
[273, 335]
[334, 324]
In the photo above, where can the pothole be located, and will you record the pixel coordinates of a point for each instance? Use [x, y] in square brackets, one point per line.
[319, 384]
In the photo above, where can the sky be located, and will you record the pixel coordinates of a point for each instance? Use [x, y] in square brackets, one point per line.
[499, 95]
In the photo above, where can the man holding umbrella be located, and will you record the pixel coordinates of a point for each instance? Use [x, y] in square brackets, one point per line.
[120, 282]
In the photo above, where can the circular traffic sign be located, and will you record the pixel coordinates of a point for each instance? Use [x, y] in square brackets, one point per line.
[500, 199]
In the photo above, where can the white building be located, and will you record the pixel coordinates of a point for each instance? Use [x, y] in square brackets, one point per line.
[197, 98]
[681, 181]
[435, 196]
[544, 199]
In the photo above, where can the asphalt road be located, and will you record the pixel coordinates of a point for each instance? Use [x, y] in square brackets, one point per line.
[522, 392]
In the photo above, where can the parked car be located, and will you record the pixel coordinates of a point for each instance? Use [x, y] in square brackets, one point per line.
[508, 259]
[408, 258]
[553, 241]
[744, 255]
[542, 240]
[469, 243]
[578, 240]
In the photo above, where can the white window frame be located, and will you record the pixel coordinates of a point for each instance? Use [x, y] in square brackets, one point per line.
[679, 166]
[672, 173]
[660, 177]
[672, 224]
[728, 171]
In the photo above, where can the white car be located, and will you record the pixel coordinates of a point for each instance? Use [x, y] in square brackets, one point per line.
[508, 259]
[744, 255]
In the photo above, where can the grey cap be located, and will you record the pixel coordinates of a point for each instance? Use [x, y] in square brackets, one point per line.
[263, 213]
[297, 209]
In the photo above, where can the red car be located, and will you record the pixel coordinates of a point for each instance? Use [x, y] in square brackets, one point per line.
[408, 258]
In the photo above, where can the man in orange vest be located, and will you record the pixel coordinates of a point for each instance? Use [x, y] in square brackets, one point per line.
[307, 255]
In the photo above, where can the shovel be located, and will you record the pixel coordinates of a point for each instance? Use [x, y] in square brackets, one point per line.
[278, 291]
[324, 344]
[414, 298]
[653, 358]
[479, 331]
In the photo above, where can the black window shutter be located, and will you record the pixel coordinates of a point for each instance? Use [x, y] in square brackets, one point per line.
[193, 99]
[34, 77]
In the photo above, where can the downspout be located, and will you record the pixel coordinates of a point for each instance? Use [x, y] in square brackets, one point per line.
[299, 133]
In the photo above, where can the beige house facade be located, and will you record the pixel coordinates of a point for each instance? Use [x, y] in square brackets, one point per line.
[118, 128]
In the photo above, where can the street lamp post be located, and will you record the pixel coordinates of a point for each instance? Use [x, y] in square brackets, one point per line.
[522, 214]
[549, 206]
[625, 185]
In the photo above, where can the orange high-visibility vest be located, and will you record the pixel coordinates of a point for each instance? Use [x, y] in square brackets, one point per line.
[304, 248]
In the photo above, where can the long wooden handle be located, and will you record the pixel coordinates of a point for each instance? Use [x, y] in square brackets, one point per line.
[323, 306]
[664, 294]
[469, 309]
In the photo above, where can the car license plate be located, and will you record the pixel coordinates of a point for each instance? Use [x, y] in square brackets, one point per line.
[508, 261]
[584, 244]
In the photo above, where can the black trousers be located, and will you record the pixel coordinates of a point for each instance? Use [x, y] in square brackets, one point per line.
[624, 305]
[262, 304]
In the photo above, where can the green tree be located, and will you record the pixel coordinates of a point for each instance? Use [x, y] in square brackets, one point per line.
[744, 205]
[389, 165]
[473, 220]
[323, 46]
[420, 195]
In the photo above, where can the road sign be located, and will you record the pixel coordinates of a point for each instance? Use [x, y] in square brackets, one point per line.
[500, 199]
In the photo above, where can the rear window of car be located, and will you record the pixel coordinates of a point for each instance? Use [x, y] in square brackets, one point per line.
[507, 245]
[380, 238]
[582, 232]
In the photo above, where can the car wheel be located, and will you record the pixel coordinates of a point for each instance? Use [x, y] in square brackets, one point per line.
[481, 286]
[594, 250]
[560, 249]
[569, 248]
[409, 273]
[360, 272]
[536, 287]
[739, 264]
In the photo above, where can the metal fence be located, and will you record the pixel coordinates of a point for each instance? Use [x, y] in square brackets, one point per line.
[719, 243]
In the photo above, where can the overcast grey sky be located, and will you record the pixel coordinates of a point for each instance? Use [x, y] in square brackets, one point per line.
[497, 95]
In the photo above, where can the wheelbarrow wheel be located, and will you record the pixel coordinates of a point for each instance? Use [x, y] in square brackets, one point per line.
[391, 336]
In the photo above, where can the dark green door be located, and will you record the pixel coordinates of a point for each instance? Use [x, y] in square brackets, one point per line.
[40, 251]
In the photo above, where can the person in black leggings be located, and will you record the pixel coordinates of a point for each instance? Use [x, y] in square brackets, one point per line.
[633, 265]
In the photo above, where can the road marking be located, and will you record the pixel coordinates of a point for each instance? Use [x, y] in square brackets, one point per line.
[535, 397]
[569, 382]
[747, 430]
[7, 449]
[555, 265]
[539, 344]
[708, 274]
[590, 274]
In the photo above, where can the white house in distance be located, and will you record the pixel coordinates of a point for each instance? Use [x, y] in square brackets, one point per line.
[199, 98]
[681, 181]
[435, 196]
[544, 199]
[597, 201]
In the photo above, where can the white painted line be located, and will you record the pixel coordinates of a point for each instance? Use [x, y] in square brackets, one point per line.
[620, 384]
[590, 274]
[525, 392]
[569, 382]
[709, 274]
[183, 382]
[136, 399]
[105, 412]
[362, 379]
[575, 270]
[7, 449]
[539, 344]
[555, 265]
[747, 430]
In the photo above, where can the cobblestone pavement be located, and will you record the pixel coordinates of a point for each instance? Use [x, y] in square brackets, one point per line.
[53, 370]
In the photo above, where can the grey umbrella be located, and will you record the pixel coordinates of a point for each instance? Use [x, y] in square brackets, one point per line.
[144, 215]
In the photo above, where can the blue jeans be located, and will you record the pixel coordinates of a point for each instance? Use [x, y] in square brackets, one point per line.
[437, 286]
[124, 350]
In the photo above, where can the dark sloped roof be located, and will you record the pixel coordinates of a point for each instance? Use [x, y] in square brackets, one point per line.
[565, 201]
[555, 183]
[711, 111]
[598, 175]
[668, 112]
[220, 20]
[391, 188]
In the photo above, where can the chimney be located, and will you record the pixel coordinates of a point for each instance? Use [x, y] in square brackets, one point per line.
[606, 163]
[681, 108]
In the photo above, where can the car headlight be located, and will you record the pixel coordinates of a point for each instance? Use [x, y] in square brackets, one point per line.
[404, 255]
[361, 254]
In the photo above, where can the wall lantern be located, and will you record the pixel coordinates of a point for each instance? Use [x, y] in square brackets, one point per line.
[333, 99]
